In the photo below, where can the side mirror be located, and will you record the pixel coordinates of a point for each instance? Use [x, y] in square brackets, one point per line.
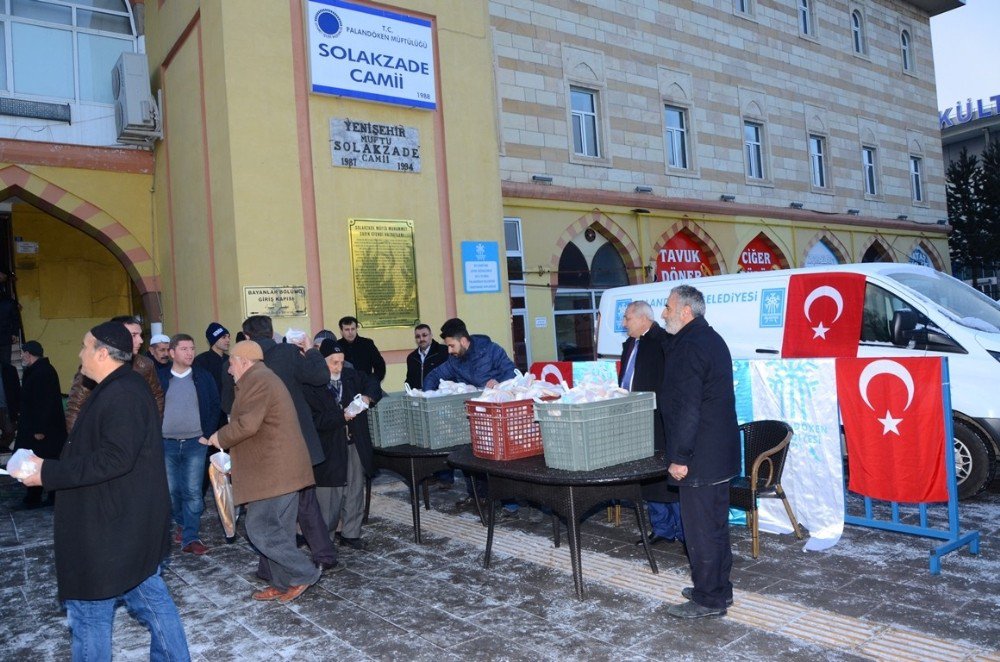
[903, 324]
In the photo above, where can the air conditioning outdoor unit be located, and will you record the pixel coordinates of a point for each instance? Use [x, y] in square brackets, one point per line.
[137, 113]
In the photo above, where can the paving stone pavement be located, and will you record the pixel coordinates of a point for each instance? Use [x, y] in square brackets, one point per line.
[870, 597]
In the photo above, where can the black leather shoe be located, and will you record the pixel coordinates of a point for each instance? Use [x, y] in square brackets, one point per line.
[688, 591]
[333, 568]
[354, 543]
[692, 609]
[655, 539]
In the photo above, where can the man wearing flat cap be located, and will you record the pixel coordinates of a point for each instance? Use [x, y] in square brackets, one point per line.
[270, 465]
[113, 510]
[42, 426]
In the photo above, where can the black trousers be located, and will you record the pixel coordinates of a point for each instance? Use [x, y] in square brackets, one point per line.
[705, 513]
[314, 530]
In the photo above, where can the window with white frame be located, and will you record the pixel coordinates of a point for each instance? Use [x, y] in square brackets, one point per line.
[906, 50]
[869, 169]
[518, 300]
[805, 12]
[583, 103]
[63, 49]
[916, 178]
[817, 160]
[858, 33]
[676, 138]
[753, 141]
[743, 7]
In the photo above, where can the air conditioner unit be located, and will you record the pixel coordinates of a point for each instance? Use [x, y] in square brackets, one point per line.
[137, 116]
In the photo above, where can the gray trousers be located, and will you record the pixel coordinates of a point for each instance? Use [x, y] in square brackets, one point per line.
[271, 528]
[345, 505]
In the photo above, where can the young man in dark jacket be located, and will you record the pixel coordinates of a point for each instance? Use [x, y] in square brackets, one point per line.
[190, 412]
[475, 360]
[359, 351]
[42, 425]
[428, 355]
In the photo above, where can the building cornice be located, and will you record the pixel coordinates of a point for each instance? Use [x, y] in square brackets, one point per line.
[113, 159]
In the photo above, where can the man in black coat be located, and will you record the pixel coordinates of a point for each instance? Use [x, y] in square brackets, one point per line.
[42, 424]
[113, 513]
[359, 351]
[10, 403]
[428, 355]
[10, 317]
[298, 365]
[644, 354]
[703, 448]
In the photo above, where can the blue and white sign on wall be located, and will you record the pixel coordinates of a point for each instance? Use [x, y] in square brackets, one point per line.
[481, 266]
[373, 54]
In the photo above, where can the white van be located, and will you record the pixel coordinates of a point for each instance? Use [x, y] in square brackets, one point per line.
[909, 310]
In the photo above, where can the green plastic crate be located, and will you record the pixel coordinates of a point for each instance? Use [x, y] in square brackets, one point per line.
[439, 422]
[389, 421]
[594, 435]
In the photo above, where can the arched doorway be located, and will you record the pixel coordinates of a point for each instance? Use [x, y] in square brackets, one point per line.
[589, 264]
[761, 254]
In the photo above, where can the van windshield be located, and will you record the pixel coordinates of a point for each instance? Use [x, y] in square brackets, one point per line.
[960, 302]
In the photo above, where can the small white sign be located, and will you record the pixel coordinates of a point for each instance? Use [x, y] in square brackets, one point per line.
[541, 322]
[359, 144]
[275, 300]
[27, 247]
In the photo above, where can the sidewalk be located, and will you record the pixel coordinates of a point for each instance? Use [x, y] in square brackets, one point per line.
[870, 597]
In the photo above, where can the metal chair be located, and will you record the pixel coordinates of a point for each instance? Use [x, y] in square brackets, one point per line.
[765, 446]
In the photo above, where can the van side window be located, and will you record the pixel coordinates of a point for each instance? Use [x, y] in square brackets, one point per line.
[876, 324]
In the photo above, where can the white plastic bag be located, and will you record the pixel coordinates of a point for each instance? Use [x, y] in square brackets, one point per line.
[357, 406]
[295, 336]
[222, 461]
[20, 465]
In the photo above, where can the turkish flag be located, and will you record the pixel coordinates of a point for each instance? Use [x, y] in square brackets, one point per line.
[893, 413]
[823, 315]
[553, 371]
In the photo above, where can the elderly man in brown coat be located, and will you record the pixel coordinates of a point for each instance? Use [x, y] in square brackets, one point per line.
[270, 465]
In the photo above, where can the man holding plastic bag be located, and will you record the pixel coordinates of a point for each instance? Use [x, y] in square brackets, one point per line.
[270, 464]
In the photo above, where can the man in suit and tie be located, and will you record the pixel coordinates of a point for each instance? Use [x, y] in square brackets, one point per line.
[643, 362]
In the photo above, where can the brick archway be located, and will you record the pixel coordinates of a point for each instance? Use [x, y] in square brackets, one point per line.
[932, 253]
[876, 240]
[608, 229]
[715, 257]
[836, 246]
[93, 221]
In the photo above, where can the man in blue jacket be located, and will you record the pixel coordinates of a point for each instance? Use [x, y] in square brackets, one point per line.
[475, 360]
[190, 411]
[703, 448]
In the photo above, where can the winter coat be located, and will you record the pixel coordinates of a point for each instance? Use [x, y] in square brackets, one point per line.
[11, 390]
[484, 360]
[81, 387]
[208, 397]
[648, 375]
[417, 371]
[699, 409]
[364, 356]
[328, 417]
[41, 411]
[112, 517]
[269, 454]
[356, 382]
[10, 319]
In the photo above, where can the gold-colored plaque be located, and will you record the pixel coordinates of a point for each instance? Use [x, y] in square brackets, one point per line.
[385, 272]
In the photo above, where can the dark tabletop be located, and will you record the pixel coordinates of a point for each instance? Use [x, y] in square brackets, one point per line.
[409, 450]
[533, 469]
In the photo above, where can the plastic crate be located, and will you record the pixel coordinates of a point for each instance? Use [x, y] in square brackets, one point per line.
[388, 421]
[504, 430]
[594, 435]
[438, 422]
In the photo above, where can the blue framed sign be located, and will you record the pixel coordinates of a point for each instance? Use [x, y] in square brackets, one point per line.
[372, 54]
[481, 266]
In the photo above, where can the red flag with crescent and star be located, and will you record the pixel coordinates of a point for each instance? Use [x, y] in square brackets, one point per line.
[893, 414]
[823, 315]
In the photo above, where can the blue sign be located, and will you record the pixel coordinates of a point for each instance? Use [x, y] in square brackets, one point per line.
[620, 307]
[481, 266]
[772, 308]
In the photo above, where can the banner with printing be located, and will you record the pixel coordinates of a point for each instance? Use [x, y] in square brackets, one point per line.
[801, 393]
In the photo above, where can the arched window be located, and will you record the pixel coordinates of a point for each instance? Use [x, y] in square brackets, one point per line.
[905, 50]
[858, 32]
[876, 253]
[607, 268]
[63, 51]
[573, 269]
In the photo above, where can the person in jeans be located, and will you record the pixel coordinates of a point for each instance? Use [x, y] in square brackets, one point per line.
[190, 411]
[112, 516]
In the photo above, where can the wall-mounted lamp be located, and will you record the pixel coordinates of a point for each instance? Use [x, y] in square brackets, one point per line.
[643, 189]
[902, 217]
[640, 210]
[853, 212]
[727, 197]
[796, 205]
[541, 179]
[942, 221]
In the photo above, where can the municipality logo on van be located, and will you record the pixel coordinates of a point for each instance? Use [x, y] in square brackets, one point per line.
[620, 307]
[772, 308]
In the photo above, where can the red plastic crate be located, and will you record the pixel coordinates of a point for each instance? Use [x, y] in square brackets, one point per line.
[504, 430]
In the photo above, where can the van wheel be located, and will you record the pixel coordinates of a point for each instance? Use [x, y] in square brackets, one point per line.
[974, 461]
